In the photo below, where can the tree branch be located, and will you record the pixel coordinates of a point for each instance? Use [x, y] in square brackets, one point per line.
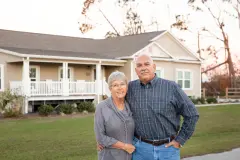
[214, 67]
[109, 22]
[215, 36]
[216, 19]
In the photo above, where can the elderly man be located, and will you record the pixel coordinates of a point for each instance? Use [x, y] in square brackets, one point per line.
[157, 105]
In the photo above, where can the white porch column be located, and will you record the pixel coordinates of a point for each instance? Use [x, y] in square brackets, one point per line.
[65, 80]
[26, 82]
[98, 81]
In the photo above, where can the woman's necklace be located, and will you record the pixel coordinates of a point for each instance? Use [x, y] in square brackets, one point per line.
[120, 106]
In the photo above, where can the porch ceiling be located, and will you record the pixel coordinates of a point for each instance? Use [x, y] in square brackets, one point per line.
[45, 98]
[15, 61]
[87, 62]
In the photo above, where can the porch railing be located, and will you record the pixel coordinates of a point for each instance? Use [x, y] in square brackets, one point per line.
[54, 88]
[42, 88]
[106, 90]
[82, 88]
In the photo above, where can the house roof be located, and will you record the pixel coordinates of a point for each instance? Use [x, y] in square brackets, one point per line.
[54, 45]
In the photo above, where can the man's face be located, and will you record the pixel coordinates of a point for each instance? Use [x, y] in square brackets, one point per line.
[145, 68]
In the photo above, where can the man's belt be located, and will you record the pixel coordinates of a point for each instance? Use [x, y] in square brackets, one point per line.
[155, 142]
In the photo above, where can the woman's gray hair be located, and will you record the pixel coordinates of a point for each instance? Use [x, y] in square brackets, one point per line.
[116, 76]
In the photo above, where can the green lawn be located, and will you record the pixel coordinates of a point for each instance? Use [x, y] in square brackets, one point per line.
[73, 138]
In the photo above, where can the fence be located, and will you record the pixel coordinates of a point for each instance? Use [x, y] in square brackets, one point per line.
[230, 93]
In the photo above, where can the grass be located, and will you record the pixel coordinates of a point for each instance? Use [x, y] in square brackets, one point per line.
[217, 131]
[73, 138]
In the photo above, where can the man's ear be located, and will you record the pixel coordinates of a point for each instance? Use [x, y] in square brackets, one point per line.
[154, 66]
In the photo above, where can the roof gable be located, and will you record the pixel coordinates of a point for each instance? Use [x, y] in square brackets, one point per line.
[154, 50]
[171, 44]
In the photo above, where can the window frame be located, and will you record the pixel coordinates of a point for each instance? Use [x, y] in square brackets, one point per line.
[71, 73]
[183, 79]
[37, 79]
[37, 72]
[2, 77]
[162, 71]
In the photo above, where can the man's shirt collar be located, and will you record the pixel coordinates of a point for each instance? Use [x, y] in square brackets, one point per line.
[150, 83]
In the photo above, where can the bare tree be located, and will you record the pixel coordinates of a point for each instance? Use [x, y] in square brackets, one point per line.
[181, 22]
[110, 34]
[235, 5]
[85, 27]
[133, 22]
[224, 38]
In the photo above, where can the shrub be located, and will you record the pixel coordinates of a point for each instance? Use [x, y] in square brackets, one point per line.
[11, 112]
[198, 100]
[194, 100]
[91, 107]
[86, 106]
[211, 100]
[10, 104]
[65, 108]
[202, 100]
[7, 97]
[222, 93]
[45, 110]
[81, 107]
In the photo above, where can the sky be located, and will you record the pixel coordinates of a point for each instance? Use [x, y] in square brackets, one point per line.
[61, 17]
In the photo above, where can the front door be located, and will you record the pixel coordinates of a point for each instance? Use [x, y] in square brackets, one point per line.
[34, 76]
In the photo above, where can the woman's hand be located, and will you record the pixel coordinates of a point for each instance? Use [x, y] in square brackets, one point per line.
[119, 145]
[129, 148]
[99, 147]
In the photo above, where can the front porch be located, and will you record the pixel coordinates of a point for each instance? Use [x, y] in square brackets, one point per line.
[44, 80]
[44, 92]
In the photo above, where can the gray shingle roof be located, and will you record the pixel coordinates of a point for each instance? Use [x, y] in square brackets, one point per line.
[43, 44]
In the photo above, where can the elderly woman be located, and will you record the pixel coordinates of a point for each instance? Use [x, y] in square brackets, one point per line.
[113, 123]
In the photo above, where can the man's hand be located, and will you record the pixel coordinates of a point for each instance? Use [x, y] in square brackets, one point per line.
[174, 144]
[99, 147]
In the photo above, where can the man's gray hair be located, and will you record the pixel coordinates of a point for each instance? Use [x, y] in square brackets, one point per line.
[143, 54]
[116, 76]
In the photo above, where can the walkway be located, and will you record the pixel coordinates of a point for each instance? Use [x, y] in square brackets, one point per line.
[230, 155]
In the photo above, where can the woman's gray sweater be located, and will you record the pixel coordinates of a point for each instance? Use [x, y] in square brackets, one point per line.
[112, 125]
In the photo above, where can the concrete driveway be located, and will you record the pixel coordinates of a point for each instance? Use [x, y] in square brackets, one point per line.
[230, 155]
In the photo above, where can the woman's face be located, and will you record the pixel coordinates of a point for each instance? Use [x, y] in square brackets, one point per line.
[118, 89]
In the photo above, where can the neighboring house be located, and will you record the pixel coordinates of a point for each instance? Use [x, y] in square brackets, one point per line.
[58, 68]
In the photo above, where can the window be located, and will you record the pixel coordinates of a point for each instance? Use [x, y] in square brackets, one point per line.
[1, 78]
[70, 73]
[61, 73]
[184, 79]
[94, 74]
[159, 72]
